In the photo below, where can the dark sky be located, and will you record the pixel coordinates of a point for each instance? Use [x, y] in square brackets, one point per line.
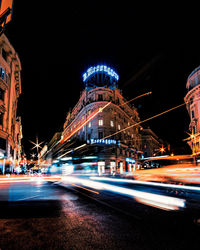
[157, 46]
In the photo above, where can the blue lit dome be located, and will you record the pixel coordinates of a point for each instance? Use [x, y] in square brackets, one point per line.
[100, 76]
[193, 79]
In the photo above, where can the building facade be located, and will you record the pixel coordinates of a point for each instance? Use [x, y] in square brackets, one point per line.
[10, 89]
[192, 100]
[102, 132]
[151, 143]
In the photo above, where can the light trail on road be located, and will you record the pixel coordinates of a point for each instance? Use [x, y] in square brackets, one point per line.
[156, 200]
[28, 179]
[148, 183]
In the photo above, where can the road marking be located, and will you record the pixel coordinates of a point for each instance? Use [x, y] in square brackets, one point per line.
[86, 189]
[28, 198]
[102, 202]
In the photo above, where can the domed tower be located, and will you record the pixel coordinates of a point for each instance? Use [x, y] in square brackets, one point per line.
[100, 76]
[192, 100]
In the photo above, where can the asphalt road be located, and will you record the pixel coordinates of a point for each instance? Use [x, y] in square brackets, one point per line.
[43, 215]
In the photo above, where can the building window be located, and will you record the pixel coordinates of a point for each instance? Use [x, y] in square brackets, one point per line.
[100, 97]
[2, 144]
[89, 125]
[192, 113]
[119, 127]
[100, 122]
[4, 54]
[2, 73]
[100, 135]
[111, 123]
[7, 78]
[1, 119]
[1, 94]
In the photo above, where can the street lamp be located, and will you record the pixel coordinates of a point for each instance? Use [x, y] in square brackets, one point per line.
[162, 150]
[37, 146]
[192, 138]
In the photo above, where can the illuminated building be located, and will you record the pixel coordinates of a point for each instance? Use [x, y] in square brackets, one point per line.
[102, 130]
[10, 89]
[151, 143]
[192, 100]
[92, 129]
[101, 113]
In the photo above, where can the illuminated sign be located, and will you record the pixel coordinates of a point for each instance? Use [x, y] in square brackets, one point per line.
[103, 141]
[100, 69]
[129, 160]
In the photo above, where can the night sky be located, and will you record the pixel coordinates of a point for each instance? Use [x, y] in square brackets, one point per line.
[153, 48]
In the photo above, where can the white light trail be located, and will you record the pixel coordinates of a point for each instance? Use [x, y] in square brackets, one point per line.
[189, 188]
[161, 201]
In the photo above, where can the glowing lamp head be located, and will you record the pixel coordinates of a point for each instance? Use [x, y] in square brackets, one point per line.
[192, 136]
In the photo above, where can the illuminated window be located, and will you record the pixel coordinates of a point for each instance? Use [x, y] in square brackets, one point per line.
[119, 127]
[2, 73]
[89, 125]
[111, 123]
[100, 122]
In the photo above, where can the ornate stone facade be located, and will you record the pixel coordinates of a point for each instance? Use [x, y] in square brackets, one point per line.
[10, 89]
[192, 100]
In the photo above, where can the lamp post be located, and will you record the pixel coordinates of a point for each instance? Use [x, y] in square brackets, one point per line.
[192, 138]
